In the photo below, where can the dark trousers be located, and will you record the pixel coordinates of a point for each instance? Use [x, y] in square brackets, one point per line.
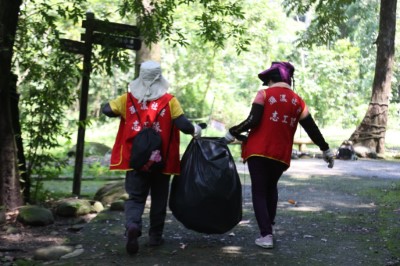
[265, 174]
[138, 186]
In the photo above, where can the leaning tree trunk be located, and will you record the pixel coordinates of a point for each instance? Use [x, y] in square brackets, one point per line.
[10, 195]
[371, 132]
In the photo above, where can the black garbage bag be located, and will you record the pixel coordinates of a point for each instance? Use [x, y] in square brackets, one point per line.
[207, 196]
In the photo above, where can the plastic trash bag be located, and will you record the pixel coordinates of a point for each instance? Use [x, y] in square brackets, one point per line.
[207, 196]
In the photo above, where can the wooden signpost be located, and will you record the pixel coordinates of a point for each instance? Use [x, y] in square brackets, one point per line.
[103, 33]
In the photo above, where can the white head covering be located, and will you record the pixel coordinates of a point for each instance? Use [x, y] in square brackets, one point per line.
[150, 85]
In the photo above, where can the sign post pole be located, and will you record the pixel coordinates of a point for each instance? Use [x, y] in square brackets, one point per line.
[87, 68]
[107, 34]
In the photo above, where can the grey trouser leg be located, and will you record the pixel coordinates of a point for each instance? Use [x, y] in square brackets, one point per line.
[138, 186]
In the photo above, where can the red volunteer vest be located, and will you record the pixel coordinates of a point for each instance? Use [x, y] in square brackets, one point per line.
[273, 137]
[130, 127]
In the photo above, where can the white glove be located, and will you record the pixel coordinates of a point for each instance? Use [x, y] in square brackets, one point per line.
[229, 138]
[328, 157]
[197, 131]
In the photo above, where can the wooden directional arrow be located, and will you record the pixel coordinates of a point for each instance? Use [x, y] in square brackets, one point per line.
[72, 46]
[118, 41]
[111, 27]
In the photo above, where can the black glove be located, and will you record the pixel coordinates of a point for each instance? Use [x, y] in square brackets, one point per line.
[240, 137]
[202, 125]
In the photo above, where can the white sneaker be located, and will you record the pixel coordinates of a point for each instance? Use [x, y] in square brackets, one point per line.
[265, 242]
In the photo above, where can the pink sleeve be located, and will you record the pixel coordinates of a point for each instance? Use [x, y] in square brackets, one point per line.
[260, 97]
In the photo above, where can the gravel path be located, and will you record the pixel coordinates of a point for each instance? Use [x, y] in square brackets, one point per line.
[359, 168]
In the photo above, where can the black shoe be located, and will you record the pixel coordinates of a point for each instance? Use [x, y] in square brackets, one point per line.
[132, 245]
[156, 241]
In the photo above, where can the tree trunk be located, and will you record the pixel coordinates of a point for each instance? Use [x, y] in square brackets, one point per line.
[10, 194]
[371, 132]
[14, 106]
[147, 52]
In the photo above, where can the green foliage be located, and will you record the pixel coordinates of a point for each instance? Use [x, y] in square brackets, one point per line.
[217, 21]
[38, 193]
[220, 84]
[58, 189]
[91, 170]
[329, 17]
[47, 82]
[44, 100]
[362, 30]
[329, 83]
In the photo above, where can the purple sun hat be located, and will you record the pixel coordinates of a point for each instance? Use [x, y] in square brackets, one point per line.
[285, 69]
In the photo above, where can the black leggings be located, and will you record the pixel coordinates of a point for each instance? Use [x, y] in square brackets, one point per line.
[265, 174]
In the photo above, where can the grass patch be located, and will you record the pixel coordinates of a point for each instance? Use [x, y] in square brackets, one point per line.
[94, 170]
[388, 201]
[57, 189]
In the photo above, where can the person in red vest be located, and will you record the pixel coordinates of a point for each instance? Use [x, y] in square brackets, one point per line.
[272, 122]
[149, 94]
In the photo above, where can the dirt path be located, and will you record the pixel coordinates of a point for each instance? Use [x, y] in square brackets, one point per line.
[335, 222]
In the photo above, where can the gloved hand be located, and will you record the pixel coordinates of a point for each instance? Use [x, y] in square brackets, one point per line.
[202, 125]
[241, 137]
[328, 157]
[197, 131]
[228, 137]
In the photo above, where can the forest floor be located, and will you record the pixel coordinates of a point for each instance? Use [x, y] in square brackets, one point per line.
[340, 218]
